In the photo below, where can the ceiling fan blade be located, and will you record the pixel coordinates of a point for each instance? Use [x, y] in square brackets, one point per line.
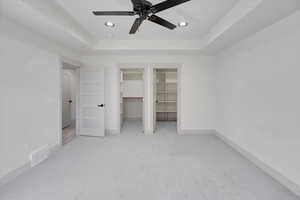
[162, 22]
[166, 5]
[113, 13]
[136, 25]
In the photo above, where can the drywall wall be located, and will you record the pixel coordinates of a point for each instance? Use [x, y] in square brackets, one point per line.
[23, 33]
[258, 96]
[133, 88]
[197, 85]
[29, 103]
[133, 108]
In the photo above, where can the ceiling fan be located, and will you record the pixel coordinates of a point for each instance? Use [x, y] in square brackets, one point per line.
[146, 11]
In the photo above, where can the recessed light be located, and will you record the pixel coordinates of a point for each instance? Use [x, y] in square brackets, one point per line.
[183, 24]
[109, 24]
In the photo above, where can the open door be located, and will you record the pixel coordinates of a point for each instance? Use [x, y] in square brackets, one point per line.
[154, 99]
[91, 106]
[67, 101]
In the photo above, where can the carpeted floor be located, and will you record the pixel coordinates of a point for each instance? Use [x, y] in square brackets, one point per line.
[132, 166]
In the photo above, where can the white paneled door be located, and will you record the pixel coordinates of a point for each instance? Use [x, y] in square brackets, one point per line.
[91, 106]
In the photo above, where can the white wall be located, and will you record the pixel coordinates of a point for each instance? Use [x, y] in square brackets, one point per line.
[259, 95]
[133, 108]
[198, 86]
[133, 88]
[29, 103]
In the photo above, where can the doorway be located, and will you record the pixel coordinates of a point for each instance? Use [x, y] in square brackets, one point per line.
[69, 101]
[132, 100]
[165, 100]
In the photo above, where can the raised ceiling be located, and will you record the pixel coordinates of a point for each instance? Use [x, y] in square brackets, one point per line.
[201, 15]
[213, 24]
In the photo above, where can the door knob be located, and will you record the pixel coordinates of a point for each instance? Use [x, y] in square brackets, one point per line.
[70, 101]
[101, 105]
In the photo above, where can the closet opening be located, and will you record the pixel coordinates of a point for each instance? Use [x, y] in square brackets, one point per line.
[69, 89]
[165, 100]
[132, 100]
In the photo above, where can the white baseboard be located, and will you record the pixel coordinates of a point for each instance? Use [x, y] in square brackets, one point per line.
[290, 185]
[55, 148]
[196, 131]
[149, 132]
[112, 132]
[19, 171]
[14, 174]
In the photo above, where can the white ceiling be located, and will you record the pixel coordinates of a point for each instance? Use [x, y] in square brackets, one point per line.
[201, 15]
[214, 24]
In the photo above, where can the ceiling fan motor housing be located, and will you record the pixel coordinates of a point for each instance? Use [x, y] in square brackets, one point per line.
[142, 8]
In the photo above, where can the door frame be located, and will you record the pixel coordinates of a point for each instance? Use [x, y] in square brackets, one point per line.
[179, 90]
[67, 64]
[145, 75]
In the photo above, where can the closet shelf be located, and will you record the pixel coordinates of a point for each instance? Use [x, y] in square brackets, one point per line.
[167, 101]
[171, 81]
[166, 111]
[166, 92]
[135, 97]
[168, 82]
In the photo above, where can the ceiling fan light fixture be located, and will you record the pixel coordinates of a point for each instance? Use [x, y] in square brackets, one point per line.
[109, 24]
[183, 24]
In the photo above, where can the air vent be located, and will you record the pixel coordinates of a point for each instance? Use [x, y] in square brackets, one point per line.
[39, 155]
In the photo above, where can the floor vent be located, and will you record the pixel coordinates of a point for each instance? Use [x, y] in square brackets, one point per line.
[39, 155]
